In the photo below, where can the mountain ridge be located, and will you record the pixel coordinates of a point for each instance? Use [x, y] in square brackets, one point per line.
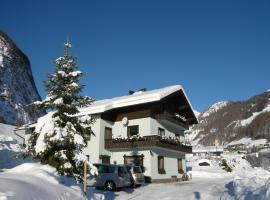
[17, 86]
[226, 121]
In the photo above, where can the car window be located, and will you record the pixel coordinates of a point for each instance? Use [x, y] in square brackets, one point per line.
[125, 170]
[105, 168]
[122, 170]
[128, 168]
[102, 169]
[137, 170]
[111, 169]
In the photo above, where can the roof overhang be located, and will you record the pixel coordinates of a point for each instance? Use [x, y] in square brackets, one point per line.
[139, 98]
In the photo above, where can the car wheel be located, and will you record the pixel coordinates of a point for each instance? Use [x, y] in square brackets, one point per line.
[110, 186]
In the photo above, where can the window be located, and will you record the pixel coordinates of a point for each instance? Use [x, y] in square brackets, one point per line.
[132, 130]
[180, 166]
[105, 159]
[108, 133]
[161, 169]
[161, 132]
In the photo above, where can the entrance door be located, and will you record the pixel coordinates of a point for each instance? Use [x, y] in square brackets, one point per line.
[134, 160]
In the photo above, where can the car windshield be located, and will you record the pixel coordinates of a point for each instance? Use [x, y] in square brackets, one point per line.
[137, 170]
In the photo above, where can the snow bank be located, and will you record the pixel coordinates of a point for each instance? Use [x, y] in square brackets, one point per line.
[254, 184]
[23, 179]
[243, 183]
[10, 152]
[36, 181]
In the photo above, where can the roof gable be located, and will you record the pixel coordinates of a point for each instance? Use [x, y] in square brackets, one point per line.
[136, 98]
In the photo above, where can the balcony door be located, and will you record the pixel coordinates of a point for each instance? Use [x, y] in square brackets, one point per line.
[132, 130]
[108, 133]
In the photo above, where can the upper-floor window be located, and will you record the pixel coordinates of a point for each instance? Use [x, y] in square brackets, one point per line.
[161, 132]
[132, 130]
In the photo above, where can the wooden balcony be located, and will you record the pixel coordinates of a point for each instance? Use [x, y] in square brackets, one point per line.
[146, 142]
[166, 116]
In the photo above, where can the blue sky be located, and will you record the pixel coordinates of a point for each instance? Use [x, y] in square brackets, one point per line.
[218, 50]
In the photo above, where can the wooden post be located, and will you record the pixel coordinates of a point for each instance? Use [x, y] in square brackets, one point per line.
[84, 178]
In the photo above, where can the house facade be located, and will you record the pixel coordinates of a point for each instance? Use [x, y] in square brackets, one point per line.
[144, 128]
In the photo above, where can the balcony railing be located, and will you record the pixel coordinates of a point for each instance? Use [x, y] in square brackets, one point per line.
[147, 142]
[171, 118]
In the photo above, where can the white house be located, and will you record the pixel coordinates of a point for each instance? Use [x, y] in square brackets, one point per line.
[145, 128]
[205, 151]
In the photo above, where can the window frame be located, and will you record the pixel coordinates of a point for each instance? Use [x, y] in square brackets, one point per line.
[106, 131]
[161, 132]
[180, 165]
[129, 128]
[161, 165]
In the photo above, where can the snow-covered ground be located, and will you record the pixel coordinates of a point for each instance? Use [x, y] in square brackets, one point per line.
[26, 180]
[36, 181]
[208, 183]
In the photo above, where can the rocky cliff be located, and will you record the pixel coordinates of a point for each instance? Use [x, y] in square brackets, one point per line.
[17, 86]
[228, 121]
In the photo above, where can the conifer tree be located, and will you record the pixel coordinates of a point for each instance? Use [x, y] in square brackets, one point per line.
[60, 135]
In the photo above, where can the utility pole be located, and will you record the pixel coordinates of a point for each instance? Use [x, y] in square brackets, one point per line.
[85, 174]
[84, 178]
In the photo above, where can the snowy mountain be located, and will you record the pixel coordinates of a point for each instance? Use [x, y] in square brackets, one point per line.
[229, 121]
[17, 87]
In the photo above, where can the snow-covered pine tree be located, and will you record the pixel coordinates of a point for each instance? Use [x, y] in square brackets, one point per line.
[60, 135]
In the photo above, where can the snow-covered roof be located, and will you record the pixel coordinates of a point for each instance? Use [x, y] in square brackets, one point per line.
[136, 98]
[6, 129]
[9, 131]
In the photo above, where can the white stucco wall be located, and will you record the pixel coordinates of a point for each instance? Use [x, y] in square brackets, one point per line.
[147, 126]
[170, 131]
[170, 163]
[144, 127]
[93, 146]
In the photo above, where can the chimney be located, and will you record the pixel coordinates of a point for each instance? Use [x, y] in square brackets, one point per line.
[142, 89]
[130, 92]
